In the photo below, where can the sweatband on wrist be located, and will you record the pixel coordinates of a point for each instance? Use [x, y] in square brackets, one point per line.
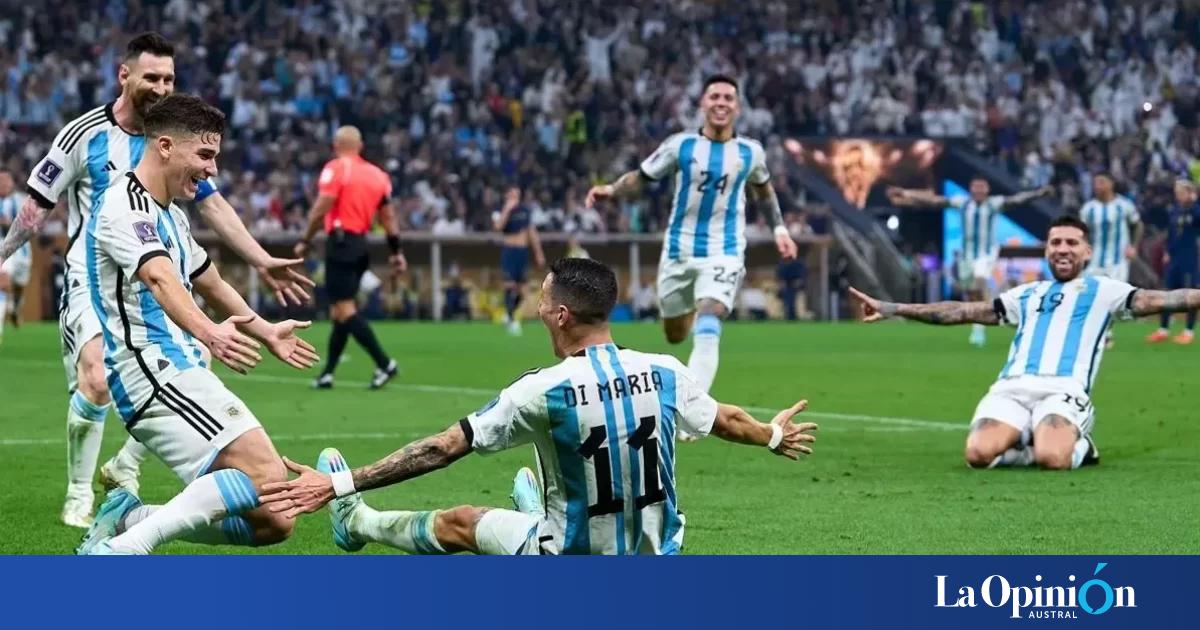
[393, 242]
[776, 436]
[781, 231]
[343, 483]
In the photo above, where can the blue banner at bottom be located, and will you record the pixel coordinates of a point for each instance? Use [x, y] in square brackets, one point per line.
[343, 592]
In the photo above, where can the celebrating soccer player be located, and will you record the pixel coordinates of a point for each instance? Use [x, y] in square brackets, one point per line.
[1040, 408]
[1109, 217]
[603, 423]
[703, 256]
[84, 159]
[142, 265]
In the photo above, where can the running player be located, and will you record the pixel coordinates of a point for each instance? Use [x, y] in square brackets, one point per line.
[141, 264]
[1040, 408]
[514, 223]
[603, 423]
[85, 157]
[1109, 217]
[14, 275]
[1183, 228]
[703, 256]
[979, 247]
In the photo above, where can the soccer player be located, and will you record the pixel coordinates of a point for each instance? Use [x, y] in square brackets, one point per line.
[1040, 408]
[1109, 217]
[520, 236]
[14, 275]
[703, 256]
[979, 246]
[602, 422]
[85, 157]
[351, 194]
[1183, 227]
[142, 265]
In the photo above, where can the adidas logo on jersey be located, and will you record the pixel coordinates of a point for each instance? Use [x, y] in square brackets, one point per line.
[110, 166]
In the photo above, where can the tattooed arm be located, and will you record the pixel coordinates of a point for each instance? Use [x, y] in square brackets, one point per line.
[415, 459]
[29, 221]
[942, 313]
[312, 489]
[768, 204]
[1028, 195]
[1146, 302]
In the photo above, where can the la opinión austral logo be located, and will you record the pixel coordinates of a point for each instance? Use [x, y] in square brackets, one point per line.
[1040, 600]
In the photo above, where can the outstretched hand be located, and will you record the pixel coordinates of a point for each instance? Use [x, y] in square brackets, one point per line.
[796, 436]
[292, 350]
[307, 493]
[289, 285]
[872, 309]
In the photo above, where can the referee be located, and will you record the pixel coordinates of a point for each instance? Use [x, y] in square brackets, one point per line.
[352, 192]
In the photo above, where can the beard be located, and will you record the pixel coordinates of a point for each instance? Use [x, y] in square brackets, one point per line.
[143, 101]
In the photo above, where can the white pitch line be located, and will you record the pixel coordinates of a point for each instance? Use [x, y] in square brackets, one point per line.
[892, 423]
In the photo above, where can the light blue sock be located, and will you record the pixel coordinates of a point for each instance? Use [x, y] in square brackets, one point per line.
[88, 410]
[200, 505]
[706, 350]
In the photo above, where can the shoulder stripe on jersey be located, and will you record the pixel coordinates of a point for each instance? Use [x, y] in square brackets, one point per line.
[136, 200]
[514, 381]
[72, 138]
[76, 125]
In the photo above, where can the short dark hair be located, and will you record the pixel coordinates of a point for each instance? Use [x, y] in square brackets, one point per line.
[720, 78]
[149, 42]
[1068, 220]
[587, 288]
[183, 112]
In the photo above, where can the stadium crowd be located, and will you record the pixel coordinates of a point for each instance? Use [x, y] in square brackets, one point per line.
[458, 97]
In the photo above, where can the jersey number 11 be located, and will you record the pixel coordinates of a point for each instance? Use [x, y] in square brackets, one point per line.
[595, 448]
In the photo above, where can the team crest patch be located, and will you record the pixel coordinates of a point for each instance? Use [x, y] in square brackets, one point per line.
[145, 232]
[48, 172]
[232, 411]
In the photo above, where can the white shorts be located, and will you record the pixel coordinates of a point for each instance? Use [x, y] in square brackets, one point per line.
[190, 420]
[78, 324]
[682, 283]
[972, 271]
[508, 533]
[1119, 271]
[18, 268]
[1022, 402]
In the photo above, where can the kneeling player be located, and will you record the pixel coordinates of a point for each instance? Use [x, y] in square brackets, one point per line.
[142, 265]
[1044, 388]
[603, 421]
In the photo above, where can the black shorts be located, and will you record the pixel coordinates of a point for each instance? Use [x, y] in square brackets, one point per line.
[346, 260]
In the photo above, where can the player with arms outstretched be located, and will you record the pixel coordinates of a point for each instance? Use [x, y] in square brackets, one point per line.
[142, 265]
[1040, 408]
[703, 256]
[1116, 228]
[602, 422]
[84, 159]
[979, 246]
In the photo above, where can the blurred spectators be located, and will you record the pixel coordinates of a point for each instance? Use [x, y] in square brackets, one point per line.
[459, 98]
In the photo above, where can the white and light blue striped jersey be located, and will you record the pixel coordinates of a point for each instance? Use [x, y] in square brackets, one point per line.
[979, 225]
[1109, 224]
[143, 348]
[1061, 325]
[10, 207]
[603, 423]
[708, 213]
[86, 156]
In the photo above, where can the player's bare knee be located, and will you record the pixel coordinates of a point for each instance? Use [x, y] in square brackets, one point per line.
[978, 457]
[1052, 459]
[676, 335]
[269, 528]
[91, 379]
[455, 528]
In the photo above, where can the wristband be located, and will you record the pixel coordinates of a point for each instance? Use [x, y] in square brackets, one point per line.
[781, 230]
[776, 437]
[393, 242]
[343, 483]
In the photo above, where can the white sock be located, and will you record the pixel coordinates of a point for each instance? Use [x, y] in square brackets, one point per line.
[1080, 451]
[132, 454]
[1014, 457]
[202, 503]
[231, 530]
[408, 531]
[706, 350]
[85, 432]
[978, 330]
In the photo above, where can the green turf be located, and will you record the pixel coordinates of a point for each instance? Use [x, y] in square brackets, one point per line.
[875, 486]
